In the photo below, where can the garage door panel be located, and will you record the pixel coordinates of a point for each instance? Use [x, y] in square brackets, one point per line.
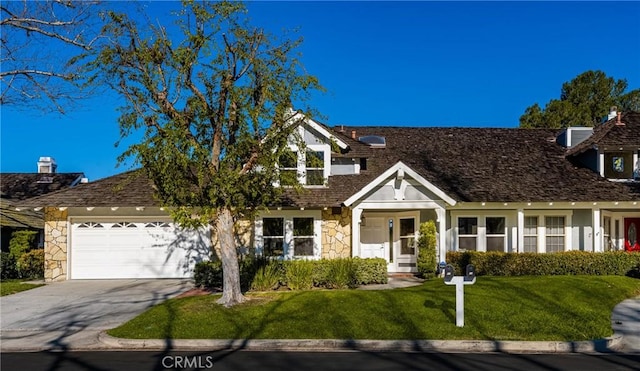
[145, 249]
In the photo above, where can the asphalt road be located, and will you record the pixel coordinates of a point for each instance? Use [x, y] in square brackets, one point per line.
[254, 361]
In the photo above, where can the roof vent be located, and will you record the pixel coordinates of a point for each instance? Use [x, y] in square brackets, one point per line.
[47, 165]
[374, 141]
[45, 180]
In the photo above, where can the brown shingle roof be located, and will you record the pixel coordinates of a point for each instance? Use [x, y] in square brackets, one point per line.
[131, 188]
[12, 218]
[468, 164]
[20, 186]
[477, 164]
[611, 134]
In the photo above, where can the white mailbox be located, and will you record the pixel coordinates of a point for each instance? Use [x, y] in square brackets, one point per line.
[468, 279]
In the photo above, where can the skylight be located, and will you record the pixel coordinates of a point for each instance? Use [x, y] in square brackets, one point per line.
[374, 141]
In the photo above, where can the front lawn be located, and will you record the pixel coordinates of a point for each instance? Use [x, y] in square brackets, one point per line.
[8, 287]
[562, 308]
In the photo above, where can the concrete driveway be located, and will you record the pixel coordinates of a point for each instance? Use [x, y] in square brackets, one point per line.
[70, 314]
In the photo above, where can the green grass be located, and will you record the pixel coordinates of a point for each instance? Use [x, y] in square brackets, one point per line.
[8, 287]
[562, 308]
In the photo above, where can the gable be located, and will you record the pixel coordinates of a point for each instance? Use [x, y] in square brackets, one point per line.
[400, 183]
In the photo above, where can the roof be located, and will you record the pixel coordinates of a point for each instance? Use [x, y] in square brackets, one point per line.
[10, 217]
[489, 164]
[20, 186]
[609, 134]
[467, 164]
[131, 188]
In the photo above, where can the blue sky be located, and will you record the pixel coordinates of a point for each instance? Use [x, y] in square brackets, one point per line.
[386, 63]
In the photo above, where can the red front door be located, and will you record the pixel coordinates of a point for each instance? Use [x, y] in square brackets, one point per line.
[632, 234]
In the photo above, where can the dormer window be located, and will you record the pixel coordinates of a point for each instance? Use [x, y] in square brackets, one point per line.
[314, 168]
[306, 168]
[288, 167]
[618, 165]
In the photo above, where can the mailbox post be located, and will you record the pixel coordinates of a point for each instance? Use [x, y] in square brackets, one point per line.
[468, 279]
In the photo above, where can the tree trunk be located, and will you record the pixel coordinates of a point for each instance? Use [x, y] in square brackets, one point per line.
[231, 293]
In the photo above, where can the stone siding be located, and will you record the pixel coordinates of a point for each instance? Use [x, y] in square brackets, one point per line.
[336, 234]
[55, 244]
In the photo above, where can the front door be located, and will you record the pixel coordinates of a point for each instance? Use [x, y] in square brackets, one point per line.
[390, 237]
[372, 238]
[632, 234]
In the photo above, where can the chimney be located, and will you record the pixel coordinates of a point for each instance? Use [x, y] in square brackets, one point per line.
[619, 120]
[47, 165]
[353, 134]
[613, 111]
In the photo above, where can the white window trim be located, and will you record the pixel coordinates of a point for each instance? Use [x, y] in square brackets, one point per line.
[476, 235]
[537, 234]
[504, 233]
[481, 236]
[288, 216]
[542, 227]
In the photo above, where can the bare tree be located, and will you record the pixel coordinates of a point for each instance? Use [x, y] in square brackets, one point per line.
[40, 42]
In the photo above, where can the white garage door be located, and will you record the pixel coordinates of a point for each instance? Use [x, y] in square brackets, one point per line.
[135, 249]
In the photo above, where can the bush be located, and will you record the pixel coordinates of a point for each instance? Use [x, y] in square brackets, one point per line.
[263, 274]
[370, 271]
[31, 264]
[8, 269]
[208, 274]
[531, 264]
[21, 242]
[299, 274]
[267, 276]
[427, 263]
[341, 274]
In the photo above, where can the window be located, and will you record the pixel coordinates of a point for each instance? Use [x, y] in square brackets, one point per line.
[530, 234]
[308, 171]
[314, 166]
[468, 233]
[288, 166]
[608, 243]
[124, 225]
[273, 236]
[302, 236]
[495, 233]
[90, 225]
[554, 233]
[618, 165]
[407, 236]
[157, 225]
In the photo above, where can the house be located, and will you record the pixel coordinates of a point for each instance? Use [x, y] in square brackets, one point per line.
[16, 187]
[367, 189]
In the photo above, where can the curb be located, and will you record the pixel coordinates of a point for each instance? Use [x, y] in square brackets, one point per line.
[606, 345]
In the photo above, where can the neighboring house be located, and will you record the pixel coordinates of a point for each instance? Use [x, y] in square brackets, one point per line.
[16, 187]
[367, 189]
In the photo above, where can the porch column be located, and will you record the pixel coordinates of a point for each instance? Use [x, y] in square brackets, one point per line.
[520, 244]
[597, 236]
[441, 214]
[356, 213]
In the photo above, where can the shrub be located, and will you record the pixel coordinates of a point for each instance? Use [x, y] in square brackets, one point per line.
[8, 267]
[427, 263]
[208, 274]
[21, 242]
[267, 276]
[299, 274]
[370, 271]
[263, 274]
[31, 264]
[531, 264]
[341, 274]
